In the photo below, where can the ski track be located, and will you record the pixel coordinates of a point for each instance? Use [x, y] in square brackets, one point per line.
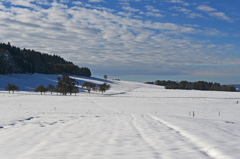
[144, 137]
[201, 146]
[156, 133]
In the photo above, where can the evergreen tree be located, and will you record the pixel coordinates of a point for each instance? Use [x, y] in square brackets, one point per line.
[66, 84]
[58, 89]
[51, 88]
[11, 87]
[41, 89]
[15, 60]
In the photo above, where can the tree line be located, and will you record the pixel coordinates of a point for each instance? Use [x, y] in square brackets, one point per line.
[91, 86]
[64, 86]
[199, 85]
[16, 60]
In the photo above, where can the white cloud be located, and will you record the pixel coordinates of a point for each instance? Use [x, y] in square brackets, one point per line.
[211, 46]
[23, 3]
[181, 9]
[95, 0]
[151, 8]
[43, 2]
[125, 14]
[206, 8]
[214, 13]
[77, 33]
[130, 9]
[77, 3]
[154, 14]
[64, 1]
[179, 1]
[221, 15]
[187, 12]
[195, 15]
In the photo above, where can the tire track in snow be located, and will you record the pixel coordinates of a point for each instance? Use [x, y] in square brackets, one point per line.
[205, 148]
[144, 137]
[163, 140]
[169, 141]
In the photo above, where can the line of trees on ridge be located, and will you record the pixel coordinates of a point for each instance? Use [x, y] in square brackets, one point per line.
[16, 60]
[199, 85]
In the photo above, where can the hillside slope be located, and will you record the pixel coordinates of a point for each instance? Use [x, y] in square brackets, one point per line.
[27, 82]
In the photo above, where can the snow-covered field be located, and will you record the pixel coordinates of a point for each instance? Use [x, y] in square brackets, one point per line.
[130, 121]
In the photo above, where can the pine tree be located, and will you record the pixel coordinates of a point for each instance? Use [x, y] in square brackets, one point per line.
[51, 88]
[66, 84]
[30, 61]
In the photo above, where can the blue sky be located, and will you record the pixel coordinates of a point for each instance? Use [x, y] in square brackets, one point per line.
[132, 39]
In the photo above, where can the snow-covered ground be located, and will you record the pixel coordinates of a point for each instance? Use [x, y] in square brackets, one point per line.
[130, 121]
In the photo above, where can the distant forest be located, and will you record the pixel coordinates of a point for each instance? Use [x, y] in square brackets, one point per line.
[16, 60]
[199, 85]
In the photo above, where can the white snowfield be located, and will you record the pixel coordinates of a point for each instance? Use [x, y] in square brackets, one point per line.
[130, 121]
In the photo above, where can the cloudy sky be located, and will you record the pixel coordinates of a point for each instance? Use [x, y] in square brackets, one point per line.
[155, 39]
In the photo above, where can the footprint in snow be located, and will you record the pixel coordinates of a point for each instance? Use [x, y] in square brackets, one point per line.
[30, 118]
[229, 122]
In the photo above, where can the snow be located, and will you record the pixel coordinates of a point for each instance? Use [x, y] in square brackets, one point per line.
[131, 120]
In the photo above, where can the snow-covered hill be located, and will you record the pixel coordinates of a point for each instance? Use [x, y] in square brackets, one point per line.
[131, 120]
[28, 82]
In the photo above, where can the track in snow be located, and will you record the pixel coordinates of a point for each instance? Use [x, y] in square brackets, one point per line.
[104, 135]
[169, 141]
[165, 141]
